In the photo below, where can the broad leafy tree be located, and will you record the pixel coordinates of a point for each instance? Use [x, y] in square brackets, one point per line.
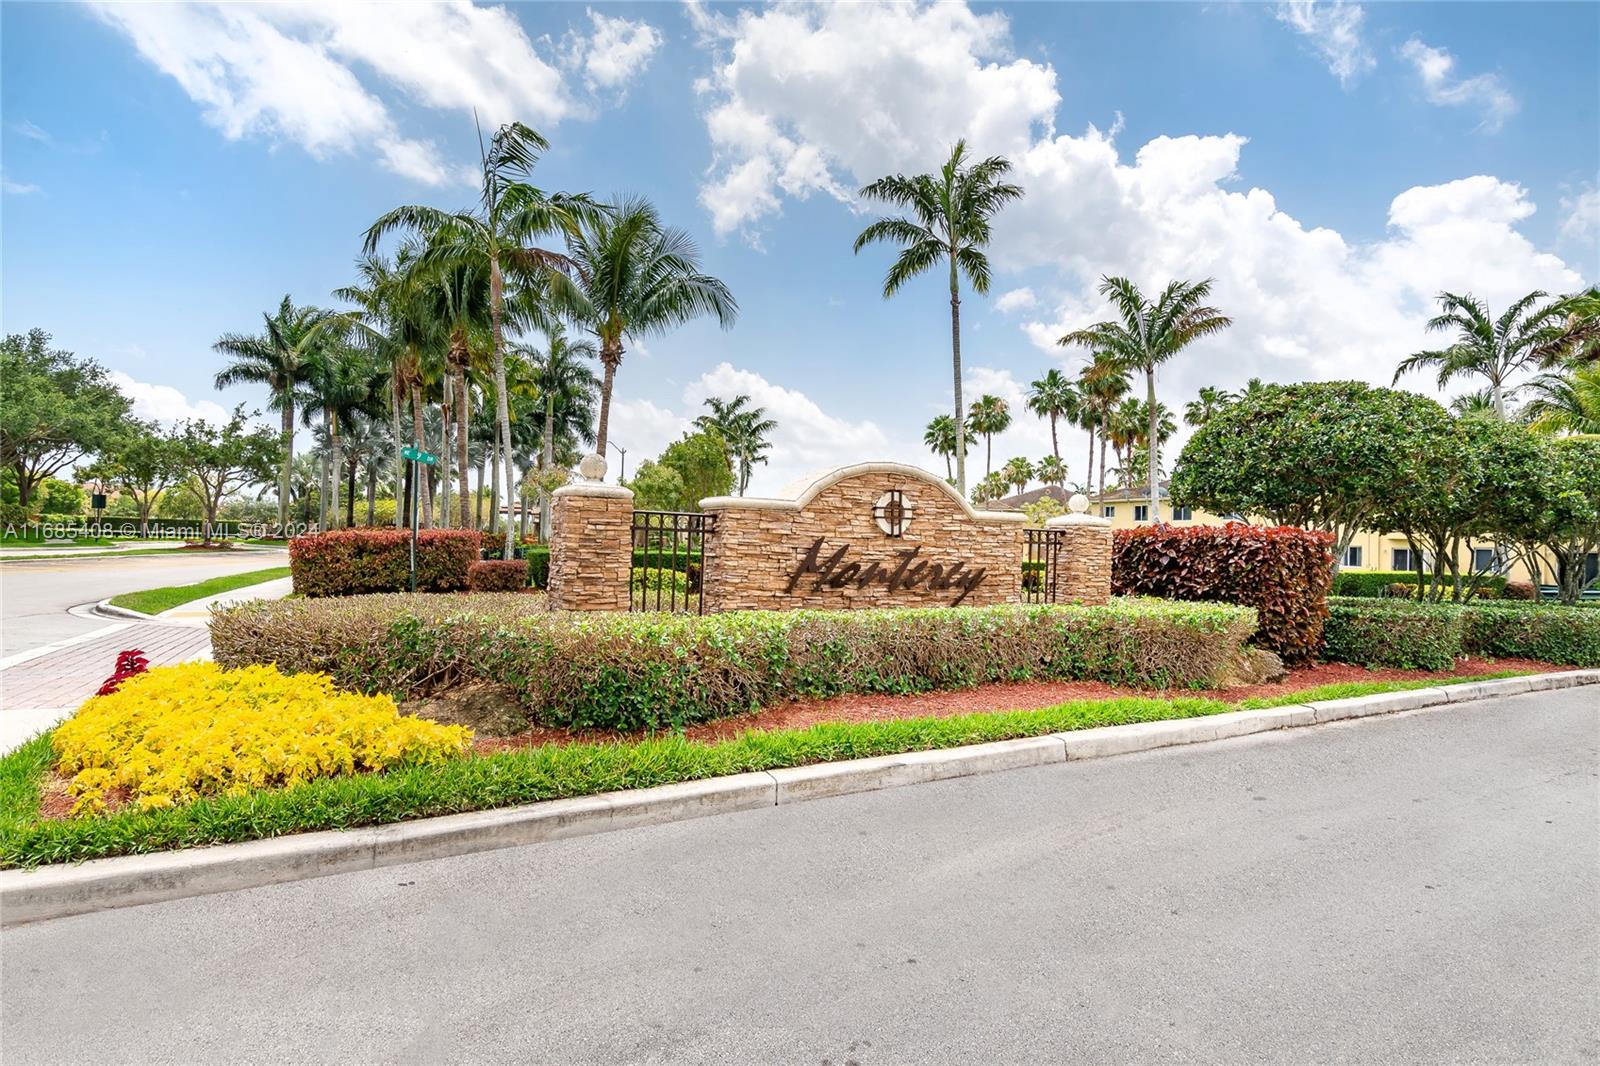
[947, 224]
[1147, 333]
[55, 409]
[1323, 455]
[142, 462]
[218, 460]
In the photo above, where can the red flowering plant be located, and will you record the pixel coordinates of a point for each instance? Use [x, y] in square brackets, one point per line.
[128, 663]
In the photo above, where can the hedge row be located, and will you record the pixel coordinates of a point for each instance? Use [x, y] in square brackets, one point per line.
[1431, 635]
[646, 671]
[1282, 572]
[1375, 583]
[538, 556]
[349, 562]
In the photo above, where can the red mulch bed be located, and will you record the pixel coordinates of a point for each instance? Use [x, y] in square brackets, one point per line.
[1009, 696]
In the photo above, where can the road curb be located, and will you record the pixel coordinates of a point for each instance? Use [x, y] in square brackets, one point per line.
[101, 884]
[107, 609]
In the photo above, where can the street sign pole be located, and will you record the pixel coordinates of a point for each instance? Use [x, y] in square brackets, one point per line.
[416, 487]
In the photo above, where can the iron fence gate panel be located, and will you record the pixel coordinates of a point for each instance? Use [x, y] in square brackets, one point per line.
[667, 571]
[1041, 555]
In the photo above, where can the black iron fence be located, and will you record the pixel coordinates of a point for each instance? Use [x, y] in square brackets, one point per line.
[1041, 554]
[668, 560]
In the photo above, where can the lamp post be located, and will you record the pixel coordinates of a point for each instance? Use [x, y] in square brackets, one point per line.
[622, 467]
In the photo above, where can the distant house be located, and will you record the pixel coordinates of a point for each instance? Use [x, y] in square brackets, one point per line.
[1023, 499]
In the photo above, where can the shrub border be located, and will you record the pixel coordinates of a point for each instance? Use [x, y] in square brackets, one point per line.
[57, 891]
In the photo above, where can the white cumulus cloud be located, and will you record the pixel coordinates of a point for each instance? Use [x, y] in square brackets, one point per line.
[288, 71]
[165, 404]
[1016, 300]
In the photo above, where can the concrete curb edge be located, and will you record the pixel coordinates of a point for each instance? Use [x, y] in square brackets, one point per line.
[58, 891]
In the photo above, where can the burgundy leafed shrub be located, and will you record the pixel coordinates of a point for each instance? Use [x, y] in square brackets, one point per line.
[1284, 573]
[349, 562]
[498, 575]
[128, 663]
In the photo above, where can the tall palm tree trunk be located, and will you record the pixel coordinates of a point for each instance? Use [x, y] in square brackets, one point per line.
[399, 460]
[420, 438]
[288, 464]
[610, 358]
[350, 494]
[335, 467]
[1153, 444]
[502, 407]
[477, 501]
[547, 460]
[494, 493]
[1088, 469]
[372, 490]
[1102, 464]
[1055, 444]
[462, 400]
[446, 424]
[955, 361]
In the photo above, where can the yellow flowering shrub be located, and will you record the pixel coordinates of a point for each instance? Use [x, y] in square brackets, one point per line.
[177, 732]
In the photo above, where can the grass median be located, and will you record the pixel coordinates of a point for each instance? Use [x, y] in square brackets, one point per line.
[154, 601]
[554, 771]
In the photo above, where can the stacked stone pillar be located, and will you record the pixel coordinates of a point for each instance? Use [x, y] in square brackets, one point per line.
[1082, 571]
[591, 547]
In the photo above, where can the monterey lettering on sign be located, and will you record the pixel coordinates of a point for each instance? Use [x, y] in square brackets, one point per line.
[905, 571]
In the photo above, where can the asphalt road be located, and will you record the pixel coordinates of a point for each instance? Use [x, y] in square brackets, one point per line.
[1419, 888]
[35, 595]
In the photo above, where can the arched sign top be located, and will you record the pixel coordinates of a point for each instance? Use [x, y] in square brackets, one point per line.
[798, 494]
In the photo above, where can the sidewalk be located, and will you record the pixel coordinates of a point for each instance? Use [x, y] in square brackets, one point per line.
[198, 612]
[38, 692]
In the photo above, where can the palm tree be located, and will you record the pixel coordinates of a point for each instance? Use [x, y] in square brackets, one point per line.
[949, 221]
[276, 358]
[510, 215]
[567, 389]
[1496, 349]
[991, 487]
[1051, 470]
[745, 430]
[1017, 471]
[339, 384]
[635, 278]
[1479, 402]
[1146, 335]
[989, 415]
[1212, 399]
[1055, 398]
[942, 437]
[1102, 383]
[1566, 402]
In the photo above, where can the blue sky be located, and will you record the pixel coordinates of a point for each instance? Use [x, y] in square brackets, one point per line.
[169, 173]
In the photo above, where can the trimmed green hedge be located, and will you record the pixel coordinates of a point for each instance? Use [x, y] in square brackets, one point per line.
[1414, 636]
[1377, 632]
[652, 671]
[1375, 583]
[538, 556]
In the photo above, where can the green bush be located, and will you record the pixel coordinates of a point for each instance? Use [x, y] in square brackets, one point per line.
[1420, 636]
[651, 671]
[1547, 632]
[349, 562]
[538, 556]
[1429, 636]
[1375, 583]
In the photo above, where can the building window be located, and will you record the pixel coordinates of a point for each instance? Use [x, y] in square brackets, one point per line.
[1108, 512]
[1352, 555]
[1401, 558]
[1182, 514]
[1141, 512]
[1485, 561]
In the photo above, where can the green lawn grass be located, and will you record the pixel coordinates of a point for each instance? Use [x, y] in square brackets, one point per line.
[154, 601]
[177, 547]
[157, 601]
[33, 542]
[1345, 689]
[548, 772]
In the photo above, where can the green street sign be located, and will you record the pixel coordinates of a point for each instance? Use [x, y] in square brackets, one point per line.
[417, 455]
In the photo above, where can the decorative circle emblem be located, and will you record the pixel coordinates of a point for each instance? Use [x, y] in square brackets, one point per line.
[893, 512]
